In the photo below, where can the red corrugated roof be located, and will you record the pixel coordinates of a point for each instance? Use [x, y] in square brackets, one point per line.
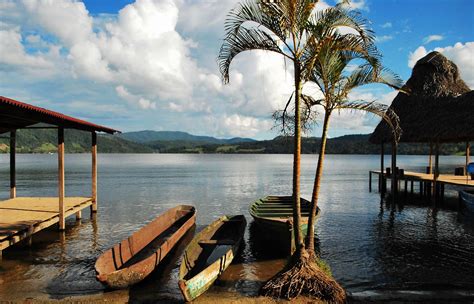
[16, 114]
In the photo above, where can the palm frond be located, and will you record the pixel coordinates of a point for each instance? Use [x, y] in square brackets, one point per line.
[378, 109]
[244, 40]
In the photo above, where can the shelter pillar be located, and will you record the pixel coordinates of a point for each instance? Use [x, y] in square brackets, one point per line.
[394, 170]
[468, 152]
[61, 188]
[94, 173]
[13, 164]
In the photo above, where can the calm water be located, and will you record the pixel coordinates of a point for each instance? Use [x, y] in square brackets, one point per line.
[375, 251]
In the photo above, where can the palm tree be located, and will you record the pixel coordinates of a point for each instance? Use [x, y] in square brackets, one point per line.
[336, 77]
[285, 27]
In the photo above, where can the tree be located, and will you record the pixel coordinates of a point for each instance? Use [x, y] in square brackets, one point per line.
[336, 78]
[283, 27]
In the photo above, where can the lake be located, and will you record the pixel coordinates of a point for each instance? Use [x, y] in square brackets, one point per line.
[375, 250]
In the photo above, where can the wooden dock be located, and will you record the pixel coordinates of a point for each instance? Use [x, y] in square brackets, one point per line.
[426, 181]
[21, 217]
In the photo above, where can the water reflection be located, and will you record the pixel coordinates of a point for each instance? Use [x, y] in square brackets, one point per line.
[370, 245]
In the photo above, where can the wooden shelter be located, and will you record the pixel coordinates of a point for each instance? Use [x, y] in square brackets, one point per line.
[435, 106]
[21, 217]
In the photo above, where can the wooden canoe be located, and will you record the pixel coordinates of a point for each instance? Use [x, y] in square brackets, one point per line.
[209, 254]
[467, 200]
[134, 258]
[274, 218]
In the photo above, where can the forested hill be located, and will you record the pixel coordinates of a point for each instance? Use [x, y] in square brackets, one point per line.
[44, 141]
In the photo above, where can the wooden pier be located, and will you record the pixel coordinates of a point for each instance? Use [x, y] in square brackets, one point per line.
[21, 217]
[426, 182]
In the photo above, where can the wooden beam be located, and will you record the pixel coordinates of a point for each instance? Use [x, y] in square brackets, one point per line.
[12, 164]
[61, 190]
[94, 173]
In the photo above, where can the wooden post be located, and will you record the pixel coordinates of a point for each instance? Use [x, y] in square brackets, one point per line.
[13, 164]
[436, 171]
[468, 152]
[394, 169]
[370, 181]
[61, 192]
[381, 179]
[94, 173]
[430, 161]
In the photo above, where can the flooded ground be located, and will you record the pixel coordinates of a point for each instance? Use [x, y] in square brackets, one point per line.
[378, 252]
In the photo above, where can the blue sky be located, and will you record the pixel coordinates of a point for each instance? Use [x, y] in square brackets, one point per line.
[151, 64]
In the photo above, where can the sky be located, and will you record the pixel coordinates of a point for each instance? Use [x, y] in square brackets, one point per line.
[151, 64]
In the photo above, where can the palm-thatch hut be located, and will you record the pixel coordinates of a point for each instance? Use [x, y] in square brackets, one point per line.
[435, 106]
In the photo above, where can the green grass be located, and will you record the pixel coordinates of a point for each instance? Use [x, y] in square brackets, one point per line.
[324, 266]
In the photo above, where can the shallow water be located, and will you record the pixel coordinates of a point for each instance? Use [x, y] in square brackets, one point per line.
[377, 252]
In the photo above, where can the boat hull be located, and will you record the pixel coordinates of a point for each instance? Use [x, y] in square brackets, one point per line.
[116, 267]
[273, 216]
[196, 274]
[467, 200]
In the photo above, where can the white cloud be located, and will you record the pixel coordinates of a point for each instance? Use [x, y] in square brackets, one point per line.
[432, 38]
[13, 52]
[413, 57]
[461, 54]
[358, 5]
[383, 38]
[241, 125]
[386, 25]
[135, 99]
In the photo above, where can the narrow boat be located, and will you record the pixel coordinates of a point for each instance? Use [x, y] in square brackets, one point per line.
[134, 258]
[274, 218]
[209, 254]
[467, 199]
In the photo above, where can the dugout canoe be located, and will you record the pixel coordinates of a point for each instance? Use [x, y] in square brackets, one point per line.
[467, 200]
[209, 254]
[134, 258]
[274, 220]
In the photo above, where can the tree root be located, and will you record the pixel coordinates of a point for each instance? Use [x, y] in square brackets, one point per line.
[302, 276]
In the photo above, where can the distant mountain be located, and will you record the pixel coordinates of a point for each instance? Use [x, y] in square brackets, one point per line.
[148, 136]
[44, 141]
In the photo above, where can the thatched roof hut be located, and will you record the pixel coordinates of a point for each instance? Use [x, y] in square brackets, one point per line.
[437, 105]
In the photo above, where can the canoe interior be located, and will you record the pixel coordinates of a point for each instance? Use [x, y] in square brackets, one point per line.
[273, 217]
[278, 207]
[211, 243]
[144, 242]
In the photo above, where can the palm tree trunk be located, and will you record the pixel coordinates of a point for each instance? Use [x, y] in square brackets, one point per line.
[317, 184]
[297, 163]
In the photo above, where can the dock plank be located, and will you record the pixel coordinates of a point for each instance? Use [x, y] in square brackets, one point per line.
[23, 216]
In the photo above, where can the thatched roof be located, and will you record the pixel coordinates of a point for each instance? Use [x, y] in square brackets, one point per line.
[437, 105]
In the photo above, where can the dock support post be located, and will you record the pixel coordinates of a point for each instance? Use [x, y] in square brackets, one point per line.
[62, 222]
[394, 170]
[468, 152]
[94, 173]
[430, 161]
[436, 172]
[382, 161]
[370, 181]
[13, 164]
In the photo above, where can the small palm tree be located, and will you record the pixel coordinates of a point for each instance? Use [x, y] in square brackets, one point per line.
[287, 27]
[336, 78]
